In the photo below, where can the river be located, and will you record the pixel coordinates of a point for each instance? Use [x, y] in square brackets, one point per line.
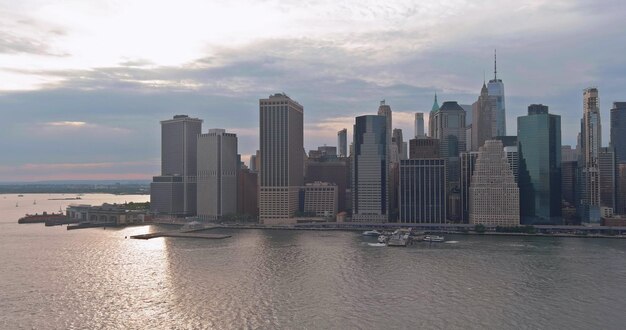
[51, 278]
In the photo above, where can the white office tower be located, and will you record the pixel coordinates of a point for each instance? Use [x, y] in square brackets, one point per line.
[419, 125]
[494, 195]
[282, 158]
[217, 174]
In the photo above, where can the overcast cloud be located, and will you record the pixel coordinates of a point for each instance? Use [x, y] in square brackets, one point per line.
[84, 85]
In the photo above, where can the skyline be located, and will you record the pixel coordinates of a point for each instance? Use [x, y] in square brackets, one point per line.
[84, 88]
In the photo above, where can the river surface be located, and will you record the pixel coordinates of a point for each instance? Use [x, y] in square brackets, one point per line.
[51, 278]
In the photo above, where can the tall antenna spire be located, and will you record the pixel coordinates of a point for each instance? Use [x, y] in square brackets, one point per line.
[495, 61]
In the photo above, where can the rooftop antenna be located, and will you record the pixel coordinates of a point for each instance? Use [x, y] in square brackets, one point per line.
[382, 102]
[495, 61]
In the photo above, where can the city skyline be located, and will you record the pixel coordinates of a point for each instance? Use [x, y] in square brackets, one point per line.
[75, 111]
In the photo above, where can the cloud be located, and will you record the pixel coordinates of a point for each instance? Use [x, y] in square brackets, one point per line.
[66, 123]
[337, 60]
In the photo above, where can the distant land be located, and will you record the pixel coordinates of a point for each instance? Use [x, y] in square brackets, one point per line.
[77, 186]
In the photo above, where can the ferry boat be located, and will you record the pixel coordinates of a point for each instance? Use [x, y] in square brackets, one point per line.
[374, 233]
[433, 238]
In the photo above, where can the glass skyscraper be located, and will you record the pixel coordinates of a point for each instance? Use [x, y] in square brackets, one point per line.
[539, 153]
[370, 174]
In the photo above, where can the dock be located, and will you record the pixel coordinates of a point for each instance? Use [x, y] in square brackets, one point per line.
[180, 235]
[188, 231]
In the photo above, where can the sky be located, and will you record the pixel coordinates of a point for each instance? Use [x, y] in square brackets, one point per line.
[84, 84]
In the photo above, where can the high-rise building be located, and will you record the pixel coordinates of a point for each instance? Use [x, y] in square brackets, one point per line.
[319, 199]
[174, 192]
[539, 152]
[568, 181]
[342, 142]
[419, 125]
[512, 157]
[496, 92]
[494, 195]
[217, 174]
[448, 125]
[568, 154]
[588, 178]
[336, 172]
[606, 164]
[468, 161]
[247, 193]
[370, 170]
[484, 119]
[398, 141]
[422, 187]
[282, 158]
[621, 188]
[618, 131]
[431, 123]
[424, 148]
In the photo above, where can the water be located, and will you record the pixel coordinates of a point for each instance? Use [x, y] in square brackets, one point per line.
[95, 278]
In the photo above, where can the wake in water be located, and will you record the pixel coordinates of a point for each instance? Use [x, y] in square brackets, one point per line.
[451, 242]
[376, 244]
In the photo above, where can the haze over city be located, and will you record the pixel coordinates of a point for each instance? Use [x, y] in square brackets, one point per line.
[85, 84]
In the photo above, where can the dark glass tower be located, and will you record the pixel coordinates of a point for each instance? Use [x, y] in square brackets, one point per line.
[539, 151]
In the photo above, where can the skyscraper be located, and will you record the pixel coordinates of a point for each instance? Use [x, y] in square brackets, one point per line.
[419, 125]
[424, 148]
[422, 190]
[448, 125]
[174, 191]
[282, 158]
[217, 174]
[512, 157]
[370, 170]
[468, 161]
[484, 119]
[398, 141]
[494, 195]
[496, 92]
[606, 164]
[588, 177]
[431, 123]
[342, 142]
[618, 131]
[539, 153]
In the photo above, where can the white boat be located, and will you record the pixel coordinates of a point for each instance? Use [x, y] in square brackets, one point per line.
[433, 238]
[375, 233]
[382, 239]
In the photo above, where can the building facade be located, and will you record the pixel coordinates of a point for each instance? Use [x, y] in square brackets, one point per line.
[539, 152]
[483, 120]
[179, 137]
[370, 170]
[422, 187]
[468, 161]
[218, 167]
[588, 177]
[424, 148]
[282, 158]
[342, 142]
[496, 93]
[419, 125]
[608, 182]
[319, 199]
[494, 195]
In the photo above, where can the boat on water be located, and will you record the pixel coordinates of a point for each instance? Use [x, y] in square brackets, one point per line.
[373, 233]
[433, 238]
[20, 195]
